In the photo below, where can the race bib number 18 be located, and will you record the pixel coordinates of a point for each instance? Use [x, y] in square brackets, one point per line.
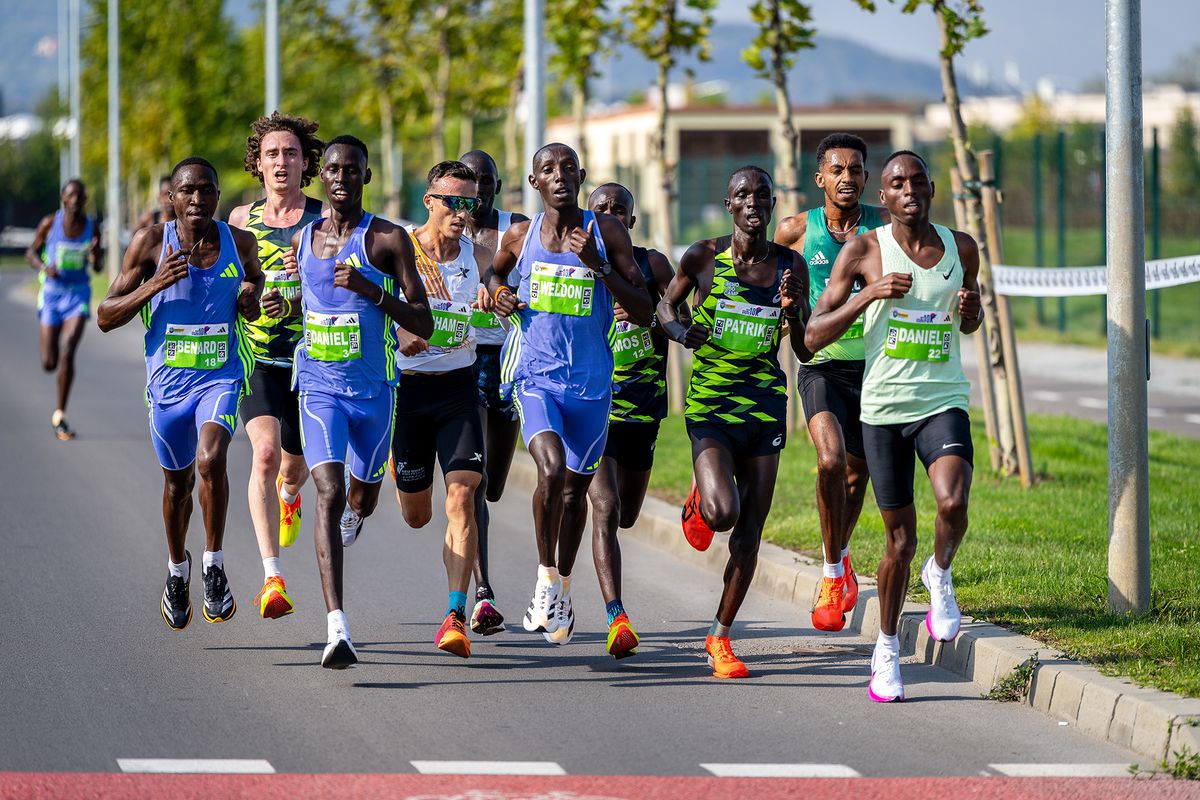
[332, 337]
[561, 289]
[919, 335]
[196, 346]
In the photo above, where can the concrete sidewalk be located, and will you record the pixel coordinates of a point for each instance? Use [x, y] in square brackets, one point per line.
[1153, 723]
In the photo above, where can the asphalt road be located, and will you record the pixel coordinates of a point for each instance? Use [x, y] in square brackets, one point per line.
[91, 676]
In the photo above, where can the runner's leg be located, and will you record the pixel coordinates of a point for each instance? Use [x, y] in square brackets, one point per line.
[72, 333]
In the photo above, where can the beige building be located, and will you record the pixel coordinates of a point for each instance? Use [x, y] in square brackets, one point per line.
[708, 142]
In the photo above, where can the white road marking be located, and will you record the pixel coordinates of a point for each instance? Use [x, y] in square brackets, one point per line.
[1049, 397]
[1061, 770]
[488, 768]
[1155, 412]
[1091, 402]
[1193, 418]
[781, 770]
[231, 766]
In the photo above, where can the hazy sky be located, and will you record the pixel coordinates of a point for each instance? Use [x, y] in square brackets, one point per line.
[1061, 39]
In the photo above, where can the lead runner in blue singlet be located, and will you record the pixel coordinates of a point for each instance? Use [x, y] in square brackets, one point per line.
[189, 279]
[557, 360]
[349, 263]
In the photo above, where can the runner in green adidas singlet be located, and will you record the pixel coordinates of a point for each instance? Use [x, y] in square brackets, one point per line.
[284, 154]
[921, 291]
[747, 290]
[830, 386]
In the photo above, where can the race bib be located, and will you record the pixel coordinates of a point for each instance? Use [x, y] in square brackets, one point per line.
[70, 257]
[450, 322]
[196, 346]
[287, 283]
[560, 289]
[631, 344]
[919, 335]
[743, 327]
[483, 319]
[332, 337]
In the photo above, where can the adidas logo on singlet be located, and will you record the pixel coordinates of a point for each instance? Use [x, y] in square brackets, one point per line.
[229, 272]
[819, 258]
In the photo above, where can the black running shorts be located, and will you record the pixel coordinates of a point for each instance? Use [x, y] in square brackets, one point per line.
[836, 387]
[631, 444]
[436, 417]
[487, 376]
[271, 395]
[744, 439]
[890, 451]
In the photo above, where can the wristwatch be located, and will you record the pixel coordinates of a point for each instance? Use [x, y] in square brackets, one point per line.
[605, 269]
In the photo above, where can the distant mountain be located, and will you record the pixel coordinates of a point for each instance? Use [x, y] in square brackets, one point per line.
[836, 69]
[26, 76]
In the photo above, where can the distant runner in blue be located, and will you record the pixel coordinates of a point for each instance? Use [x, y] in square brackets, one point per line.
[558, 362]
[189, 280]
[64, 245]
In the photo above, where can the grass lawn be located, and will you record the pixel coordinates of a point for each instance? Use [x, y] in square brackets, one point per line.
[1033, 561]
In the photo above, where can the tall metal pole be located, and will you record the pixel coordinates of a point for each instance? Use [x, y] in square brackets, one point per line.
[1128, 367]
[76, 163]
[271, 54]
[63, 50]
[112, 199]
[1038, 219]
[535, 96]
[1060, 155]
[1155, 230]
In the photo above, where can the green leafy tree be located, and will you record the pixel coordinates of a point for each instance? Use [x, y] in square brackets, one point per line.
[1183, 158]
[581, 31]
[783, 30]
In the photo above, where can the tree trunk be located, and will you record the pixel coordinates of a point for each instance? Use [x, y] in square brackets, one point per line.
[387, 127]
[666, 234]
[466, 133]
[974, 217]
[437, 116]
[579, 100]
[513, 177]
[787, 175]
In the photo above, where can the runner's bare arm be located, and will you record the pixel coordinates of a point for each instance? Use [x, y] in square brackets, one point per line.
[33, 253]
[836, 309]
[790, 232]
[504, 300]
[252, 285]
[239, 217]
[483, 262]
[794, 296]
[390, 248]
[625, 281]
[94, 249]
[970, 310]
[141, 278]
[693, 275]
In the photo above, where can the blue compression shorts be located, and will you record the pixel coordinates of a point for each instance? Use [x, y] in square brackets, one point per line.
[582, 425]
[175, 426]
[352, 431]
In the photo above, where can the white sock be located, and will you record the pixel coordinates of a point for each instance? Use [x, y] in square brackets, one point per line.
[835, 570]
[845, 552]
[337, 625]
[57, 417]
[889, 643]
[214, 558]
[548, 574]
[566, 584]
[287, 497]
[271, 567]
[181, 570]
[937, 573]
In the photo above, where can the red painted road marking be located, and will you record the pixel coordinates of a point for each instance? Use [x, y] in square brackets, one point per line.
[594, 787]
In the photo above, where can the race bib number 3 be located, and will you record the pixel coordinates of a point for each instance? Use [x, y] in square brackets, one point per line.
[70, 258]
[561, 289]
[196, 346]
[332, 337]
[744, 327]
[919, 335]
[450, 322]
[631, 344]
[287, 283]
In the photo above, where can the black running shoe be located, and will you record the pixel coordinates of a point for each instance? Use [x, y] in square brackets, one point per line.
[339, 654]
[176, 604]
[218, 600]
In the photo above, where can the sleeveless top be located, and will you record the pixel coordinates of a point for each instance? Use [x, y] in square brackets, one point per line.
[820, 251]
[451, 288]
[914, 369]
[274, 340]
[736, 376]
[559, 342]
[639, 362]
[194, 335]
[348, 347]
[488, 330]
[69, 254]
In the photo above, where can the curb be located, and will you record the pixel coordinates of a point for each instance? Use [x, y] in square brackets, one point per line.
[1153, 723]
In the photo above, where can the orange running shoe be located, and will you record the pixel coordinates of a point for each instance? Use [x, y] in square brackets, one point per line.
[827, 614]
[289, 516]
[622, 641]
[452, 636]
[722, 660]
[272, 599]
[851, 597]
[695, 529]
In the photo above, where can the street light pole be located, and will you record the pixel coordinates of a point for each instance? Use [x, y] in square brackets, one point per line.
[76, 162]
[63, 51]
[1128, 356]
[535, 95]
[271, 54]
[112, 200]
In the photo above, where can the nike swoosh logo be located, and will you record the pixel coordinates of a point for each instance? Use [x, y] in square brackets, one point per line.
[953, 444]
[949, 273]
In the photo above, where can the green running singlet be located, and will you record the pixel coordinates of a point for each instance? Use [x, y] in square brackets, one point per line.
[639, 363]
[820, 251]
[736, 376]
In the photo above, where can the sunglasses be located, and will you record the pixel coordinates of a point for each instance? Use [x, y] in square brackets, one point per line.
[458, 203]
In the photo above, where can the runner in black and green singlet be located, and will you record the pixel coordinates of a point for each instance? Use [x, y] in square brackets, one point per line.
[747, 290]
[639, 404]
[830, 386]
[284, 154]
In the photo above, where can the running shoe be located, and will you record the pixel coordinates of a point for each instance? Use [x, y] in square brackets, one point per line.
[540, 616]
[622, 640]
[850, 599]
[272, 599]
[289, 516]
[63, 431]
[943, 618]
[340, 652]
[486, 619]
[564, 621]
[886, 685]
[452, 636]
[828, 613]
[218, 599]
[695, 529]
[722, 660]
[176, 603]
[351, 526]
